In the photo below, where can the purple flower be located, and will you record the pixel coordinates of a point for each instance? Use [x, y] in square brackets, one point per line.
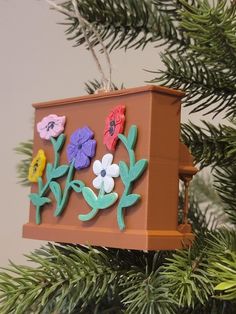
[82, 147]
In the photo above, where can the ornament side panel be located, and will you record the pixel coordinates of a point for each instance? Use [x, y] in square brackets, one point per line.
[103, 229]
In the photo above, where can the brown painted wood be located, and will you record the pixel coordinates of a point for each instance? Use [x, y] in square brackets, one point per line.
[152, 223]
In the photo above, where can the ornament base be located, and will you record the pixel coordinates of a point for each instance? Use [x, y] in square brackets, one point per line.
[128, 239]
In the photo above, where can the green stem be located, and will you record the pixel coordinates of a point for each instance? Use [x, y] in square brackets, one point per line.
[130, 153]
[43, 188]
[56, 153]
[90, 215]
[56, 164]
[38, 215]
[38, 207]
[67, 189]
[120, 215]
[101, 191]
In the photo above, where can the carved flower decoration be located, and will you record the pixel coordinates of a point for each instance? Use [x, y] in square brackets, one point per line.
[114, 125]
[37, 166]
[105, 172]
[51, 126]
[82, 148]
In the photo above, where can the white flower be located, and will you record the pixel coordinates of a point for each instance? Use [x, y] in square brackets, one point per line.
[105, 172]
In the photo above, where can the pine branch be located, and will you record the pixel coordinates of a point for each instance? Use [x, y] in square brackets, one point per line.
[212, 29]
[192, 274]
[146, 293]
[65, 279]
[25, 149]
[123, 24]
[225, 183]
[206, 68]
[223, 265]
[210, 145]
[77, 279]
[92, 87]
[207, 88]
[187, 276]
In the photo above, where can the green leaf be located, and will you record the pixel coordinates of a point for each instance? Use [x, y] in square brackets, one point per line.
[123, 139]
[107, 200]
[37, 200]
[138, 169]
[132, 136]
[89, 196]
[49, 170]
[60, 171]
[130, 200]
[124, 171]
[59, 142]
[77, 185]
[56, 190]
[225, 285]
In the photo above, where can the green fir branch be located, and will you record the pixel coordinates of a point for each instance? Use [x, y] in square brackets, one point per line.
[25, 149]
[77, 279]
[207, 87]
[64, 279]
[225, 184]
[210, 145]
[223, 263]
[123, 23]
[92, 87]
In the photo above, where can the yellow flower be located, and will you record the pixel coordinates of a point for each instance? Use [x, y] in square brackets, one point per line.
[37, 166]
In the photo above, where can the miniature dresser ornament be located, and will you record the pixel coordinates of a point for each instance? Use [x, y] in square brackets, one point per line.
[106, 170]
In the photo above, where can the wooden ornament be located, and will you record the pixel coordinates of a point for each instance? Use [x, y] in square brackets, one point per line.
[112, 175]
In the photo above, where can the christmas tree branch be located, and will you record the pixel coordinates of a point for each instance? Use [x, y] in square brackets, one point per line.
[210, 145]
[123, 24]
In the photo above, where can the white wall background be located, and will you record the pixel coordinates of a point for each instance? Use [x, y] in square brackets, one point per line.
[37, 63]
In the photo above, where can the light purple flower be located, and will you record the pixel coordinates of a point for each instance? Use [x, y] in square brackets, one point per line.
[51, 126]
[82, 147]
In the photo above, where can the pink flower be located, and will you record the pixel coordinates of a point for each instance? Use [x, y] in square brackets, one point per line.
[51, 126]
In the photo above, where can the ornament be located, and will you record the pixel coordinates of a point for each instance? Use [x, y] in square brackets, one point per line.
[140, 210]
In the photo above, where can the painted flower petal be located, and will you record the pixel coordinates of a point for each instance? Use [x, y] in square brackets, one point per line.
[113, 170]
[81, 135]
[110, 142]
[81, 160]
[71, 152]
[97, 167]
[107, 160]
[89, 148]
[114, 124]
[97, 182]
[61, 120]
[51, 126]
[44, 134]
[76, 137]
[37, 166]
[108, 184]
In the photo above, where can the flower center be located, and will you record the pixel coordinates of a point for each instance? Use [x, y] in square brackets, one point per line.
[80, 146]
[50, 125]
[35, 167]
[103, 173]
[112, 127]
